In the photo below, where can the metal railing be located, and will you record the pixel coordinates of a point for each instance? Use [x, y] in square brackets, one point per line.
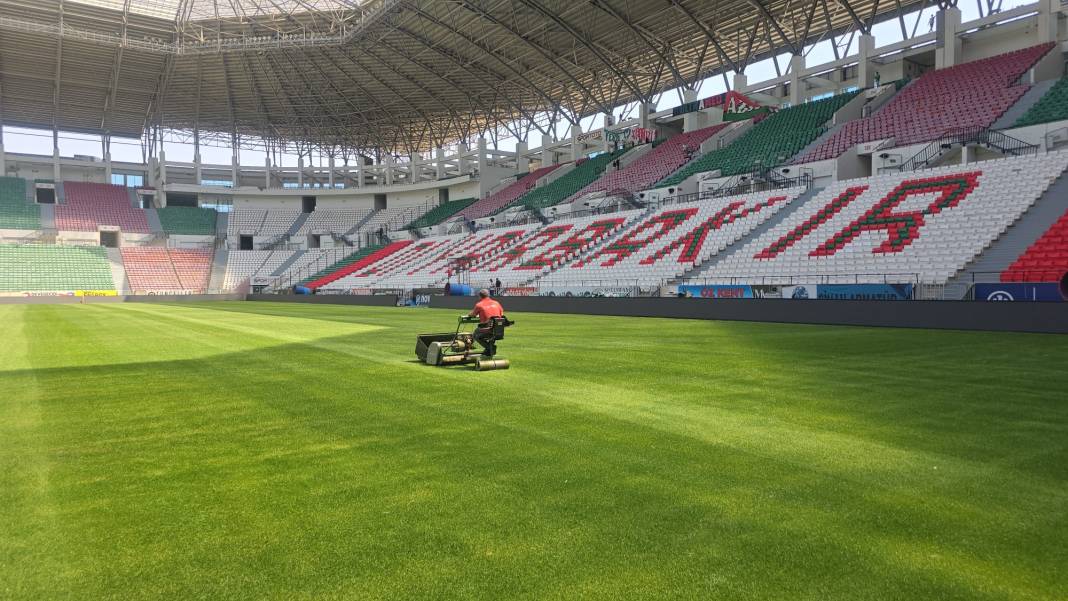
[1030, 276]
[764, 285]
[760, 180]
[806, 279]
[964, 136]
[1055, 137]
[327, 258]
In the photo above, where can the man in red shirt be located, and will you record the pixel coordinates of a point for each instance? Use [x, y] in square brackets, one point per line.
[485, 310]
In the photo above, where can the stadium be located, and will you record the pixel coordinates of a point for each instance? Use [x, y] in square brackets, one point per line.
[533, 299]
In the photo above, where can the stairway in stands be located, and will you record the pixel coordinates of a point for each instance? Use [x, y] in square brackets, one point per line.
[296, 256]
[357, 260]
[1016, 239]
[1023, 105]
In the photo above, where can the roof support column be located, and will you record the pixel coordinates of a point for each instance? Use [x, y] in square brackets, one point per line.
[359, 170]
[1048, 11]
[55, 155]
[439, 160]
[300, 171]
[740, 82]
[3, 164]
[694, 120]
[797, 66]
[948, 50]
[606, 146]
[105, 149]
[161, 189]
[234, 161]
[865, 70]
[198, 164]
[267, 172]
[461, 158]
[548, 157]
[577, 147]
[483, 160]
[522, 163]
[331, 178]
[644, 110]
[389, 169]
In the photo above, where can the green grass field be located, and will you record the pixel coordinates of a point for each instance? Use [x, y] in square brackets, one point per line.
[283, 451]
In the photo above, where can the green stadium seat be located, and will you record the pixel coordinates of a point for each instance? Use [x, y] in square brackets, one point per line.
[17, 212]
[1053, 106]
[190, 221]
[441, 213]
[771, 142]
[585, 173]
[44, 268]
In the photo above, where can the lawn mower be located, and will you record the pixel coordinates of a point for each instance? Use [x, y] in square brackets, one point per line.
[462, 348]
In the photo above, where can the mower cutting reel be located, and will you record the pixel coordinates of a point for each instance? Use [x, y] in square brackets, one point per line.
[461, 348]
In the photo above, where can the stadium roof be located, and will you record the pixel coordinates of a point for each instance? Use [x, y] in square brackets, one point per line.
[403, 75]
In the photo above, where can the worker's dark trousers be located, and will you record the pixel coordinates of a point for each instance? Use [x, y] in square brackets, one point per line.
[484, 336]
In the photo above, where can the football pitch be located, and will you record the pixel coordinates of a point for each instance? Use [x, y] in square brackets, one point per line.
[287, 451]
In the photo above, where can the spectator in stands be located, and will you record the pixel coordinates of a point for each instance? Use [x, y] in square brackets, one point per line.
[497, 287]
[878, 78]
[485, 310]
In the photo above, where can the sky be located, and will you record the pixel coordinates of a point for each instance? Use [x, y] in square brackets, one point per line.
[129, 150]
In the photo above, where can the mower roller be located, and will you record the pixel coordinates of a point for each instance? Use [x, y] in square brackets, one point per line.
[462, 348]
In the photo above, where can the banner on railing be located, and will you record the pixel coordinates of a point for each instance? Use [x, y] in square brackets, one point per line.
[593, 291]
[767, 291]
[799, 292]
[519, 291]
[54, 293]
[162, 292]
[1049, 292]
[716, 291]
[38, 293]
[864, 291]
[726, 291]
[413, 300]
[689, 107]
[753, 114]
[639, 135]
[732, 102]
